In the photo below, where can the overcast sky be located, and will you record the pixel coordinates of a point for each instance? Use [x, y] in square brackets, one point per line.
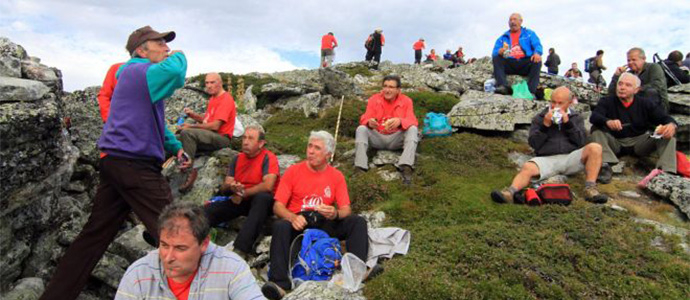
[82, 38]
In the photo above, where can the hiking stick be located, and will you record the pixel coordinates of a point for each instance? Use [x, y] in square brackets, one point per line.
[337, 126]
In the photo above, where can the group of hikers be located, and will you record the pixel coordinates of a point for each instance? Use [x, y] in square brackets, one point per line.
[311, 193]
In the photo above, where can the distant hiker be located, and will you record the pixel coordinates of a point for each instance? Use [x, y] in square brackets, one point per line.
[650, 74]
[250, 181]
[552, 62]
[388, 123]
[595, 66]
[432, 57]
[517, 52]
[373, 44]
[132, 144]
[106, 92]
[418, 46]
[458, 57]
[574, 73]
[686, 62]
[312, 194]
[328, 43]
[622, 121]
[674, 63]
[213, 130]
[187, 265]
[448, 55]
[558, 136]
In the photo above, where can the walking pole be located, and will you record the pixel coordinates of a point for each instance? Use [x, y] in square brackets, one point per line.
[337, 126]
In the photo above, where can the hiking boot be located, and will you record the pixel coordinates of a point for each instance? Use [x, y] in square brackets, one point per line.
[592, 195]
[503, 90]
[605, 174]
[191, 177]
[406, 175]
[373, 272]
[272, 291]
[502, 196]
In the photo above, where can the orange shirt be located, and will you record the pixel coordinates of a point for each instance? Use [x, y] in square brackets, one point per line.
[515, 48]
[181, 290]
[328, 42]
[106, 91]
[418, 45]
[222, 108]
[302, 189]
[381, 110]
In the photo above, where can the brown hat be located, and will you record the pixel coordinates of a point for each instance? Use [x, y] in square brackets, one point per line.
[144, 34]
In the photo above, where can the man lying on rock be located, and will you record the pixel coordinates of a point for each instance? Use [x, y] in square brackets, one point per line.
[187, 265]
[621, 124]
[312, 194]
[251, 181]
[557, 135]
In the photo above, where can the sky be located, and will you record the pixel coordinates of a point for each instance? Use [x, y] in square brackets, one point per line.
[83, 38]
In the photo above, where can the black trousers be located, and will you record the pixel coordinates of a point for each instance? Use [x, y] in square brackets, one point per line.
[375, 55]
[352, 229]
[257, 209]
[125, 185]
[525, 67]
[418, 56]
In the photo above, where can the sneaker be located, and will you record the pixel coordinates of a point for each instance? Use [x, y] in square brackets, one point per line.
[406, 175]
[189, 183]
[272, 291]
[605, 174]
[503, 90]
[502, 196]
[592, 195]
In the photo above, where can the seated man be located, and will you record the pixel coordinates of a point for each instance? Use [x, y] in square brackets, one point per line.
[448, 55]
[573, 73]
[517, 52]
[432, 57]
[557, 135]
[388, 123]
[187, 264]
[623, 120]
[213, 130]
[312, 188]
[251, 179]
[651, 76]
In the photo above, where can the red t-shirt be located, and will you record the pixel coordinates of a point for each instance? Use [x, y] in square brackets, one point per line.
[418, 45]
[250, 171]
[328, 41]
[627, 104]
[515, 49]
[302, 189]
[106, 91]
[181, 290]
[222, 108]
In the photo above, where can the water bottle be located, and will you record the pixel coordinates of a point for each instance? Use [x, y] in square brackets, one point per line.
[490, 85]
[180, 120]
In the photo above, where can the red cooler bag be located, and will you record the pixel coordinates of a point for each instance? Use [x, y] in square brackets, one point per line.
[555, 194]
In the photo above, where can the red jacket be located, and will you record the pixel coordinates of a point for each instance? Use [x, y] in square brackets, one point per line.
[402, 109]
[106, 91]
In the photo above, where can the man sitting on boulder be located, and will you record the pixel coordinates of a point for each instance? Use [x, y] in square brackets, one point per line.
[213, 130]
[557, 136]
[251, 179]
[307, 198]
[517, 52]
[651, 76]
[187, 264]
[621, 124]
[388, 123]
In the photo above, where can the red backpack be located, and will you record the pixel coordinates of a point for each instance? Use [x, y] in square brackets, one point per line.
[682, 164]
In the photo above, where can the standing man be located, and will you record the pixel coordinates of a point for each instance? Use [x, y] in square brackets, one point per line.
[388, 123]
[376, 40]
[132, 144]
[106, 92]
[418, 46]
[517, 52]
[187, 263]
[552, 62]
[328, 42]
[315, 189]
[251, 181]
[596, 66]
[213, 130]
[650, 74]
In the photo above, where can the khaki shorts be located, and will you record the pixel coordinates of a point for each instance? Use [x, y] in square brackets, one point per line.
[563, 164]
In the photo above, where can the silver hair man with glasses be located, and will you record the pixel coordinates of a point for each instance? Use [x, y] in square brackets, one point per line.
[651, 76]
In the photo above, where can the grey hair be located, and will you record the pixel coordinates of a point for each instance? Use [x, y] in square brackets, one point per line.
[143, 46]
[198, 223]
[326, 137]
[259, 129]
[638, 50]
[636, 79]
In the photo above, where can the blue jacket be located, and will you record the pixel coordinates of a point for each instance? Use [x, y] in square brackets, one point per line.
[529, 41]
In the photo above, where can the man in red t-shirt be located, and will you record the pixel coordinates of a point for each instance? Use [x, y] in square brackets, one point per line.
[213, 130]
[517, 52]
[328, 42]
[251, 181]
[312, 190]
[106, 91]
[388, 123]
[418, 46]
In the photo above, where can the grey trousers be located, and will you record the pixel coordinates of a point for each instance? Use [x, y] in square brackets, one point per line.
[642, 145]
[202, 139]
[406, 140]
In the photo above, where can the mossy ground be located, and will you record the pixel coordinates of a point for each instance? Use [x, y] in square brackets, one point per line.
[464, 246]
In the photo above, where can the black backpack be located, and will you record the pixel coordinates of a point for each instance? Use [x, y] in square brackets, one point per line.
[369, 43]
[667, 70]
[591, 64]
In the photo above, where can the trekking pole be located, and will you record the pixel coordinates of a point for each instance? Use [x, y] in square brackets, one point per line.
[337, 126]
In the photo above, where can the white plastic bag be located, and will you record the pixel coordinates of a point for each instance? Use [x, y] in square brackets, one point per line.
[239, 129]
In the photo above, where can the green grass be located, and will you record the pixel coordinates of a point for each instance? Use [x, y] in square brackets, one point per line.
[425, 102]
[352, 71]
[464, 246]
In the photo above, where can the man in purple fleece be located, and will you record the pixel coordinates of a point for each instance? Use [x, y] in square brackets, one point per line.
[132, 150]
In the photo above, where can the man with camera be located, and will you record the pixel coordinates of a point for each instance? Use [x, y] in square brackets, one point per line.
[312, 194]
[557, 136]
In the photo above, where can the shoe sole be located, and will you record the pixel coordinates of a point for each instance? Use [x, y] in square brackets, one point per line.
[271, 292]
[498, 197]
[601, 199]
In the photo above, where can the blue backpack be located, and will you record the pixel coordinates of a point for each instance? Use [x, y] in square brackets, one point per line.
[436, 125]
[319, 257]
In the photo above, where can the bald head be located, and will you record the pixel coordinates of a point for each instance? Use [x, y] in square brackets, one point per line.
[214, 84]
[515, 22]
[562, 98]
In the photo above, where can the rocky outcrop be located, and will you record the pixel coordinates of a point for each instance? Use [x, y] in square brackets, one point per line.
[338, 83]
[86, 125]
[674, 188]
[485, 111]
